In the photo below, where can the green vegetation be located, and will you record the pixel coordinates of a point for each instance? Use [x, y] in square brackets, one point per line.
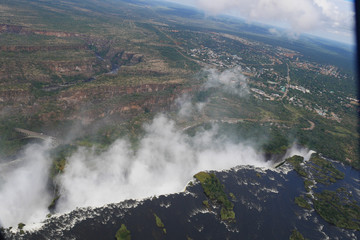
[123, 233]
[59, 156]
[206, 203]
[324, 172]
[338, 208]
[301, 202]
[21, 226]
[53, 203]
[214, 190]
[227, 213]
[278, 143]
[308, 184]
[159, 223]
[296, 235]
[296, 162]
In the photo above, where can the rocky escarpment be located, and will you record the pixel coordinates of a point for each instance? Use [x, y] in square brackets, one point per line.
[106, 92]
[95, 46]
[61, 61]
[14, 71]
[46, 73]
[121, 57]
[5, 28]
[15, 96]
[110, 101]
[16, 48]
[86, 68]
[93, 103]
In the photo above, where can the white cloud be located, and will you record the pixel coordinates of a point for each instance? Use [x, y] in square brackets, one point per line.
[274, 31]
[337, 17]
[231, 81]
[299, 16]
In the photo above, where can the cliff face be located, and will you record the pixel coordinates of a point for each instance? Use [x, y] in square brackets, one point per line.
[73, 68]
[91, 104]
[29, 71]
[15, 96]
[122, 57]
[59, 61]
[106, 92]
[127, 101]
[15, 48]
[5, 28]
[61, 58]
[47, 72]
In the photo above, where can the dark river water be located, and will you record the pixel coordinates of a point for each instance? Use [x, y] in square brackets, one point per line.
[264, 209]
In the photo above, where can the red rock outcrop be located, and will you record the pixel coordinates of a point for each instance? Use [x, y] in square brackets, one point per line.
[15, 48]
[5, 28]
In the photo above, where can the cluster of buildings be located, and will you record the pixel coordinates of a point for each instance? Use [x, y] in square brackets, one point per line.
[221, 60]
[328, 70]
[299, 88]
[274, 81]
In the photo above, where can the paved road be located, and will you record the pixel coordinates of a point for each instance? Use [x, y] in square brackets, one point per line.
[312, 126]
[234, 120]
[288, 82]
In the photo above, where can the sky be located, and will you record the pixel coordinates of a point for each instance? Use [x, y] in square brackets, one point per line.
[331, 19]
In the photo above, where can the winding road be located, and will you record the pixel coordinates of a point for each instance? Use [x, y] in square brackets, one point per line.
[288, 82]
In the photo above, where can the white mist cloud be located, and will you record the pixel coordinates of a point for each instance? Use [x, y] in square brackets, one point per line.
[300, 151]
[165, 161]
[187, 108]
[166, 158]
[24, 195]
[231, 81]
[274, 31]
